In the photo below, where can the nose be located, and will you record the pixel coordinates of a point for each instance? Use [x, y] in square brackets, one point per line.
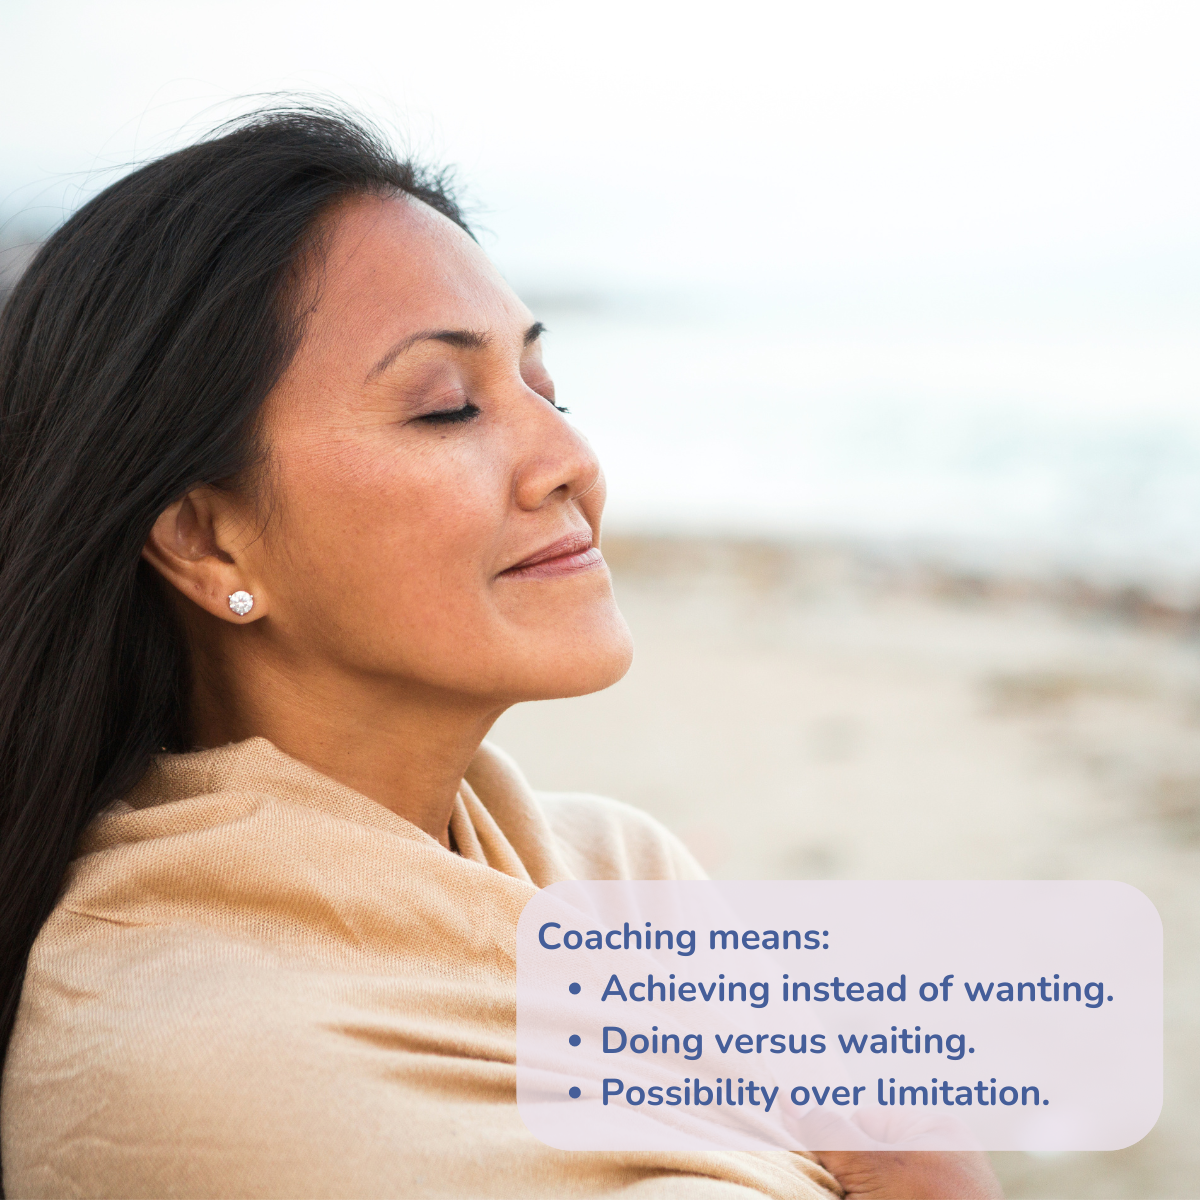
[555, 461]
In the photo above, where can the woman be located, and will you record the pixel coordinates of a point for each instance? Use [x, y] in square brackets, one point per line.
[288, 517]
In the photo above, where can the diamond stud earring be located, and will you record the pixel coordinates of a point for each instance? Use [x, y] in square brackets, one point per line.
[241, 603]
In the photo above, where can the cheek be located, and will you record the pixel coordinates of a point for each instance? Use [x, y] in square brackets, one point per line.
[382, 541]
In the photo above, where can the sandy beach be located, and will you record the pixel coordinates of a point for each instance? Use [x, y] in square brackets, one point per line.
[820, 712]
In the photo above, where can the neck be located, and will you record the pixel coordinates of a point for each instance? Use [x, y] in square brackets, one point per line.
[404, 746]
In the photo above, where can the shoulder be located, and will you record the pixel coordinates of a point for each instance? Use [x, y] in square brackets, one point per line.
[575, 835]
[605, 839]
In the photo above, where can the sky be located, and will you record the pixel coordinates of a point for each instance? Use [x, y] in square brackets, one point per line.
[656, 143]
[976, 226]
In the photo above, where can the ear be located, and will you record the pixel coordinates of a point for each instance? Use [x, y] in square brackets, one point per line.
[198, 545]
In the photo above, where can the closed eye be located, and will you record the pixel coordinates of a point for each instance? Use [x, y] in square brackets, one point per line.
[451, 416]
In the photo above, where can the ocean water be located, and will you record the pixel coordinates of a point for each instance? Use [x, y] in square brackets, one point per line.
[1043, 448]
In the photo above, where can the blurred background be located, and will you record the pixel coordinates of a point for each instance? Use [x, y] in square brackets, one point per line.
[884, 321]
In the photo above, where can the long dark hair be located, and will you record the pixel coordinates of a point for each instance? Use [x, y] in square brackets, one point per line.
[135, 353]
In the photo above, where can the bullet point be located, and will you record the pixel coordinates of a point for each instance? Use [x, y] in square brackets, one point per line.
[574, 989]
[574, 1093]
[574, 1039]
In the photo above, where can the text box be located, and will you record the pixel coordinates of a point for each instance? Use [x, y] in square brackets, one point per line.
[839, 1015]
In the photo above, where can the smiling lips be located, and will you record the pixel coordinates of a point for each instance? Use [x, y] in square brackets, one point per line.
[567, 556]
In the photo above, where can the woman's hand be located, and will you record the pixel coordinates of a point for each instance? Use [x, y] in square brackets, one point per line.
[912, 1175]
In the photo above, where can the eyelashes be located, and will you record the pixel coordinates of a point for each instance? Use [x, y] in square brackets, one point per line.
[452, 416]
[455, 416]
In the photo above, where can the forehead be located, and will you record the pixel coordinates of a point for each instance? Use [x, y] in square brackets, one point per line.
[392, 265]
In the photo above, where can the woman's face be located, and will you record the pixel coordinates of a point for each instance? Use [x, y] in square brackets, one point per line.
[435, 519]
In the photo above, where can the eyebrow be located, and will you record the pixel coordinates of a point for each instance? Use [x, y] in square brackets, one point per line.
[464, 339]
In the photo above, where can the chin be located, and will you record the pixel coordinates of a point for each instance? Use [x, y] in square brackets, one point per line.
[593, 659]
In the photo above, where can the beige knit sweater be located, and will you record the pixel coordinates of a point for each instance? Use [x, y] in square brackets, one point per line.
[261, 983]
